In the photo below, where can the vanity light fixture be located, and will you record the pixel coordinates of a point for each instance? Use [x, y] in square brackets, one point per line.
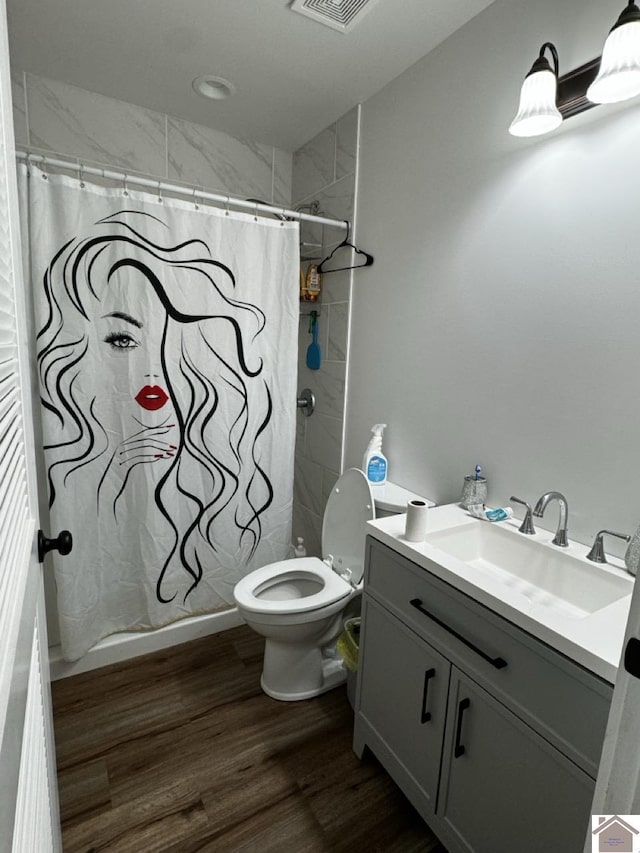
[538, 112]
[546, 99]
[619, 74]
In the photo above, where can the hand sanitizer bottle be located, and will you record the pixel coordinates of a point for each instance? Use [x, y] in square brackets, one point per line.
[374, 463]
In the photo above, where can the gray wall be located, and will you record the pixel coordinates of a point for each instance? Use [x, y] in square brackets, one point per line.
[500, 323]
[324, 170]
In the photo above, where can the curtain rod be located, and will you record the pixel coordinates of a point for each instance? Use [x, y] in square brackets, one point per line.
[194, 193]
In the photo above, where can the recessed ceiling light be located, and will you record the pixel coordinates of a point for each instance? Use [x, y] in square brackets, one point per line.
[216, 88]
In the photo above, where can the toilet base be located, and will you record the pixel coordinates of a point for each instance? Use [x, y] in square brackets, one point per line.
[291, 674]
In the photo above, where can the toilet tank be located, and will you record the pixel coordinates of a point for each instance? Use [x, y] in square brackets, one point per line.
[391, 499]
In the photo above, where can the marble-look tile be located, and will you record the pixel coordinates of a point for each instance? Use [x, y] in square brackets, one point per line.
[220, 162]
[307, 485]
[78, 123]
[335, 286]
[310, 243]
[308, 525]
[320, 236]
[336, 201]
[301, 429]
[329, 479]
[282, 177]
[305, 338]
[308, 379]
[20, 130]
[338, 328]
[347, 143]
[324, 441]
[328, 386]
[314, 164]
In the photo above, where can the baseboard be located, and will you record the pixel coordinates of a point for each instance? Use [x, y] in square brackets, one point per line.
[132, 644]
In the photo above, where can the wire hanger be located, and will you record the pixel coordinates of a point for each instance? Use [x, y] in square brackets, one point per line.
[368, 259]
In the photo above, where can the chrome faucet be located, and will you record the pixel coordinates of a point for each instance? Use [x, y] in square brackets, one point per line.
[596, 554]
[560, 538]
[527, 521]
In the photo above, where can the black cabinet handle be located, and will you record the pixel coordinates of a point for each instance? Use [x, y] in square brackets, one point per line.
[63, 544]
[458, 748]
[498, 662]
[425, 715]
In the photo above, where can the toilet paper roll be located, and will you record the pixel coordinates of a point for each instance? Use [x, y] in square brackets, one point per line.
[416, 528]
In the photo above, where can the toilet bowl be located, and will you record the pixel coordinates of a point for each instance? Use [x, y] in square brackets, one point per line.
[298, 605]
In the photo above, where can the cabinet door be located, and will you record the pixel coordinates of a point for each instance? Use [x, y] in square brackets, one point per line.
[505, 788]
[403, 698]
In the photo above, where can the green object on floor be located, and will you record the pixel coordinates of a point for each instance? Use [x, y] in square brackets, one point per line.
[349, 643]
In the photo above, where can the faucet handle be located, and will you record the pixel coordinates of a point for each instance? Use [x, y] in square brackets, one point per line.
[596, 554]
[527, 521]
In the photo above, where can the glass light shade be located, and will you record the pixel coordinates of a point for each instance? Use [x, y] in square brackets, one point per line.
[619, 75]
[537, 113]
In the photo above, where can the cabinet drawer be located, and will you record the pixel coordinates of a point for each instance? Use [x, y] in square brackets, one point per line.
[567, 704]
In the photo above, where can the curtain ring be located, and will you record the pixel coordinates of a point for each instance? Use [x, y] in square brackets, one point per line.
[160, 199]
[125, 191]
[28, 164]
[81, 170]
[226, 207]
[45, 177]
[195, 200]
[255, 215]
[284, 217]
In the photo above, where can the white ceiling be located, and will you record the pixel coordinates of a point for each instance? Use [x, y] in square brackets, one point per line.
[293, 75]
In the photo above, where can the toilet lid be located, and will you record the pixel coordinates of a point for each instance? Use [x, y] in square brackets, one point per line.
[349, 507]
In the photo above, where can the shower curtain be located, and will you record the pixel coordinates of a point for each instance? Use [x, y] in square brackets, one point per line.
[166, 353]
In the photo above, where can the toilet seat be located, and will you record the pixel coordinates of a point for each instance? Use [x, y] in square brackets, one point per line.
[250, 593]
[306, 584]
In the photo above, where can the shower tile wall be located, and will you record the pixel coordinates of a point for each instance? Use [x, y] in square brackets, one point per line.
[53, 117]
[324, 170]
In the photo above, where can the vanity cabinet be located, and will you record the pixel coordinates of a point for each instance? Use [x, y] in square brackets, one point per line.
[404, 697]
[493, 736]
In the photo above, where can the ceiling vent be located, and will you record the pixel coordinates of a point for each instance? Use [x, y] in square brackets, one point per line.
[341, 15]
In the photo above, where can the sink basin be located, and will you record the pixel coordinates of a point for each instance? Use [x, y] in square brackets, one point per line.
[546, 575]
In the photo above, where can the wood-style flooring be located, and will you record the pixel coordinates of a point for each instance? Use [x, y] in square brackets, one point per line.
[181, 751]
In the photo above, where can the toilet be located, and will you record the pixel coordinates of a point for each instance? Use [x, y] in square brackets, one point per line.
[299, 605]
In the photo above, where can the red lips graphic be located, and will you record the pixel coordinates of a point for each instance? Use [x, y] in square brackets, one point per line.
[151, 397]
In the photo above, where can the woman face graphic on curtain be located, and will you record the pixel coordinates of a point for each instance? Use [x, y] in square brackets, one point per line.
[146, 367]
[129, 384]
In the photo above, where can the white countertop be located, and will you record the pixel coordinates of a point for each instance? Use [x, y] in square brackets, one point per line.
[594, 641]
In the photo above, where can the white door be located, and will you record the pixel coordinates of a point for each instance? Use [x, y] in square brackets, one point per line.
[29, 819]
[618, 783]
